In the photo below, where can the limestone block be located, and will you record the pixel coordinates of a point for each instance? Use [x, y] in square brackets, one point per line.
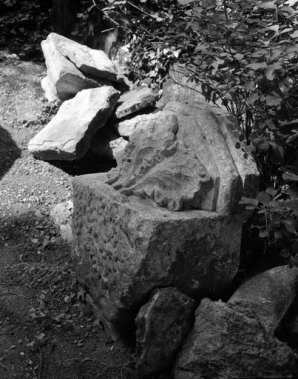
[124, 247]
[162, 323]
[134, 100]
[127, 127]
[63, 75]
[89, 61]
[236, 339]
[67, 135]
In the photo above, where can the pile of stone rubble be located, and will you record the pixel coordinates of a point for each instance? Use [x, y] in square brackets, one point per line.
[157, 237]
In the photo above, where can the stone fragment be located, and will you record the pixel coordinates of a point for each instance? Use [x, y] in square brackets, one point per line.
[134, 100]
[162, 323]
[67, 135]
[127, 127]
[89, 61]
[124, 247]
[236, 339]
[61, 214]
[62, 74]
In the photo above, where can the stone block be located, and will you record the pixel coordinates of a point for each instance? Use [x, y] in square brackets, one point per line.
[134, 100]
[125, 247]
[62, 74]
[67, 136]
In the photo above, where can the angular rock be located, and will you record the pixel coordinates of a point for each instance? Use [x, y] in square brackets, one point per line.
[236, 339]
[61, 214]
[270, 294]
[62, 74]
[127, 127]
[124, 247]
[67, 135]
[134, 100]
[162, 323]
[89, 61]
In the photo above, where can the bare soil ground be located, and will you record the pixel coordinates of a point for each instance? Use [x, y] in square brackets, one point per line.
[46, 329]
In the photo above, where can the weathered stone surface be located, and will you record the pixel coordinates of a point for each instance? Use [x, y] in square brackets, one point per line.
[179, 88]
[61, 214]
[269, 293]
[89, 61]
[67, 135]
[162, 324]
[63, 74]
[124, 247]
[236, 339]
[186, 159]
[134, 100]
[127, 127]
[164, 168]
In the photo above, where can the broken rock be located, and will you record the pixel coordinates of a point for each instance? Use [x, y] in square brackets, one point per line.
[134, 100]
[162, 324]
[235, 339]
[89, 61]
[67, 136]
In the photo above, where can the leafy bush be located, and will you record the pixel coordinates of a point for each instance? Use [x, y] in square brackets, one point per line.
[244, 53]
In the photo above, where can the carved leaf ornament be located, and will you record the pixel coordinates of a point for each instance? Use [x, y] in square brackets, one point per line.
[156, 165]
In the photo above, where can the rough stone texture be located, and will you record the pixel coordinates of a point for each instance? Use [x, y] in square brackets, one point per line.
[124, 247]
[62, 74]
[89, 61]
[67, 135]
[62, 215]
[179, 88]
[186, 159]
[236, 339]
[162, 324]
[269, 293]
[134, 100]
[127, 127]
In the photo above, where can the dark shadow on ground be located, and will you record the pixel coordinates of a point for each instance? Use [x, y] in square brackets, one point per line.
[89, 164]
[9, 151]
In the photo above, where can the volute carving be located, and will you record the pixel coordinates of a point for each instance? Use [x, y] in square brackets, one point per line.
[158, 166]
